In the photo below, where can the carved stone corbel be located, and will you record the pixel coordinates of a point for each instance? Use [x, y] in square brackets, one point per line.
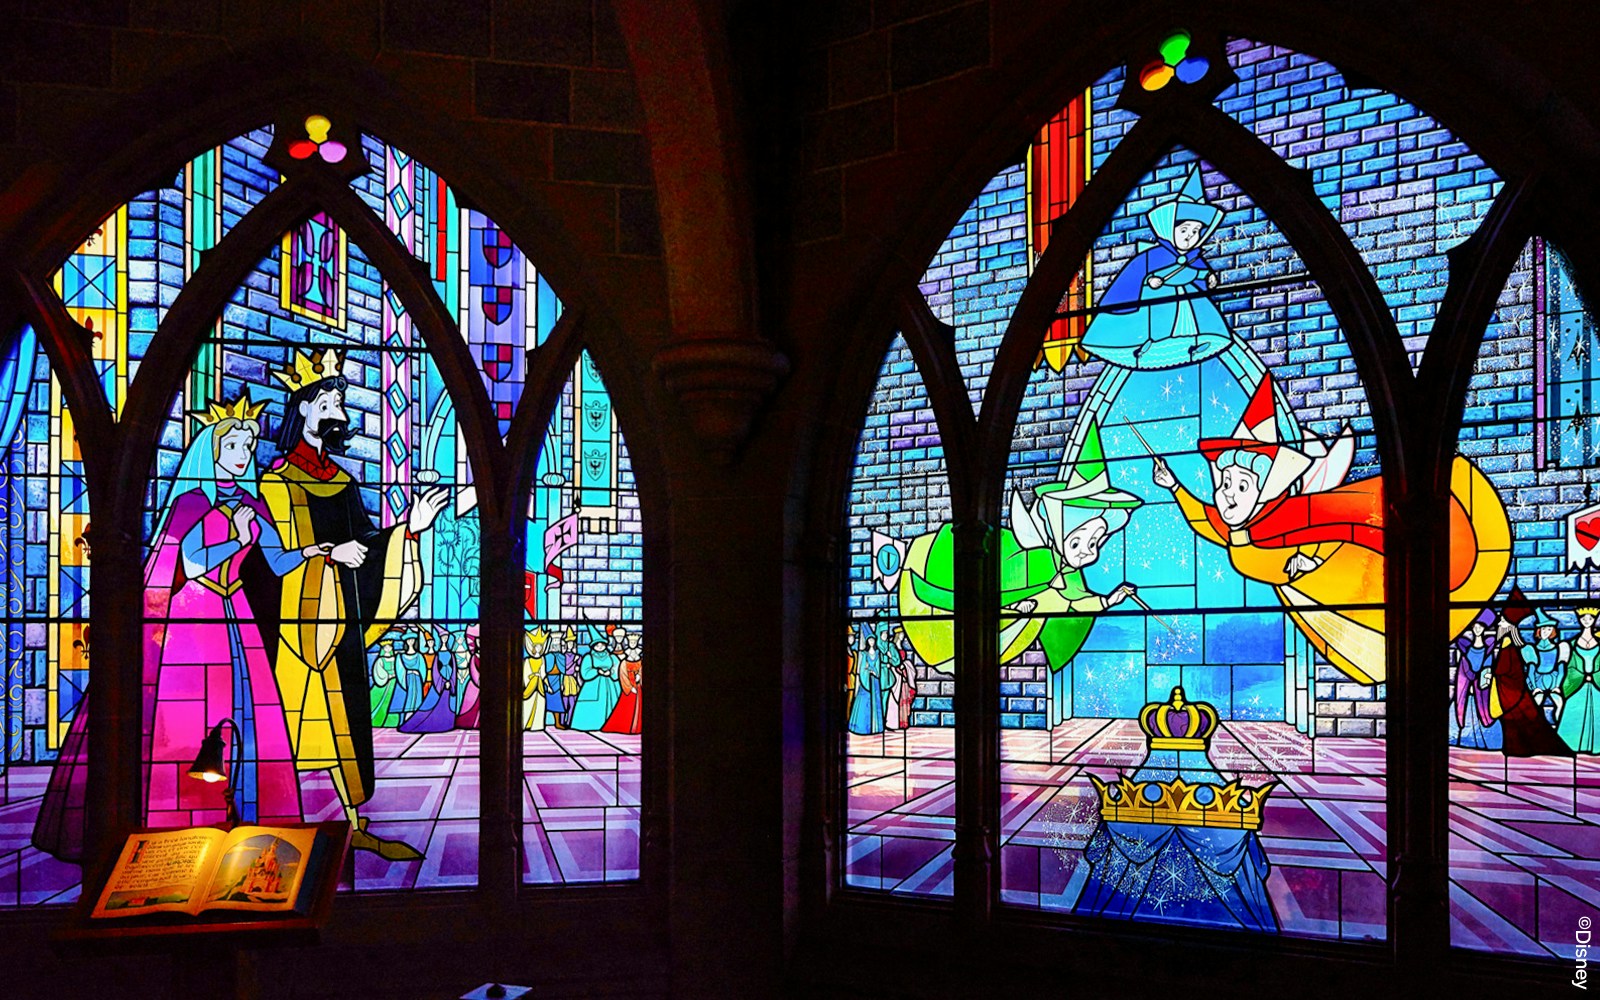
[721, 382]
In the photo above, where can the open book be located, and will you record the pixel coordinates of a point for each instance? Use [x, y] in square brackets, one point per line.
[262, 869]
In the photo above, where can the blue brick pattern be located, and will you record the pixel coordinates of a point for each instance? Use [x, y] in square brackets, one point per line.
[156, 247]
[978, 273]
[1505, 415]
[901, 488]
[1403, 186]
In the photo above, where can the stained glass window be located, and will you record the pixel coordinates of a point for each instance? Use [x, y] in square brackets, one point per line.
[371, 718]
[46, 537]
[583, 679]
[899, 678]
[1523, 696]
[1192, 656]
[504, 307]
[1166, 502]
[312, 538]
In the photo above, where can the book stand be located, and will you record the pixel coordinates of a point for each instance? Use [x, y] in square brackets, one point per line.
[213, 948]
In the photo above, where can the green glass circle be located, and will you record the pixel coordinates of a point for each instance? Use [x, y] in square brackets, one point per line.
[1175, 48]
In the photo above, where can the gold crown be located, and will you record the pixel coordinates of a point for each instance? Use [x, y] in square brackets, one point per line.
[309, 369]
[1182, 803]
[239, 409]
[1176, 724]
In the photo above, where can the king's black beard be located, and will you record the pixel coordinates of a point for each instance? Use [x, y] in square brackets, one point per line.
[334, 435]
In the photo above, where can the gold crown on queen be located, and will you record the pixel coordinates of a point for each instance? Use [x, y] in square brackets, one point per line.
[239, 409]
[1178, 724]
[309, 369]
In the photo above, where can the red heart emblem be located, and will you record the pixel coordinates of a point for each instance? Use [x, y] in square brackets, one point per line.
[1588, 532]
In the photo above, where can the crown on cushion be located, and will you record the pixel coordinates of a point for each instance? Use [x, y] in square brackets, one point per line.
[1177, 724]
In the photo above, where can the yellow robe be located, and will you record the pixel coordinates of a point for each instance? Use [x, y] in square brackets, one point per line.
[329, 723]
[1352, 639]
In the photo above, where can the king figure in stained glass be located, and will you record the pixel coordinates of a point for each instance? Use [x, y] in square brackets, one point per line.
[332, 609]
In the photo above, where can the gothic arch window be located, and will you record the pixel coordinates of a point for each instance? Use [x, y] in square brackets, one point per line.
[314, 437]
[1523, 722]
[900, 778]
[1163, 351]
[46, 588]
[583, 683]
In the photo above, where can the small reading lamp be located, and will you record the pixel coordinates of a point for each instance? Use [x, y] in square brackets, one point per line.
[208, 766]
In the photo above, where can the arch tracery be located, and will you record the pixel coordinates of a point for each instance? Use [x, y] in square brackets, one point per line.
[208, 315]
[1057, 841]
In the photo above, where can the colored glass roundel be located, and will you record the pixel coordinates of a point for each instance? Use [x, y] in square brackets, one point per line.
[316, 142]
[1174, 63]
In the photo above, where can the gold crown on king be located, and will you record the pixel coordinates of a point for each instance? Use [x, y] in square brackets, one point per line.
[239, 409]
[1177, 724]
[309, 369]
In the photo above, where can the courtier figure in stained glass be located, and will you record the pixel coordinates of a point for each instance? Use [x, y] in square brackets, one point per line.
[598, 670]
[535, 642]
[1547, 659]
[1475, 722]
[1522, 721]
[628, 716]
[868, 706]
[332, 609]
[436, 714]
[386, 695]
[1286, 517]
[1580, 715]
[204, 659]
[466, 651]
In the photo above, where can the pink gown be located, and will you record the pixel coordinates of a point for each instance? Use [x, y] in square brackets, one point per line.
[204, 661]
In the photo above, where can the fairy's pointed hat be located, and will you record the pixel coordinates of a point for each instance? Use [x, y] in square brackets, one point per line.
[1188, 204]
[1258, 433]
[1087, 492]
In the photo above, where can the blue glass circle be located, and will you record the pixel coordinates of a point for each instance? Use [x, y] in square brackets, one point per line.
[1152, 793]
[1205, 795]
[888, 560]
[1193, 68]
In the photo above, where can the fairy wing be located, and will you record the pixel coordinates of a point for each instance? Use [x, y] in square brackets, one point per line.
[1026, 525]
[1330, 463]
